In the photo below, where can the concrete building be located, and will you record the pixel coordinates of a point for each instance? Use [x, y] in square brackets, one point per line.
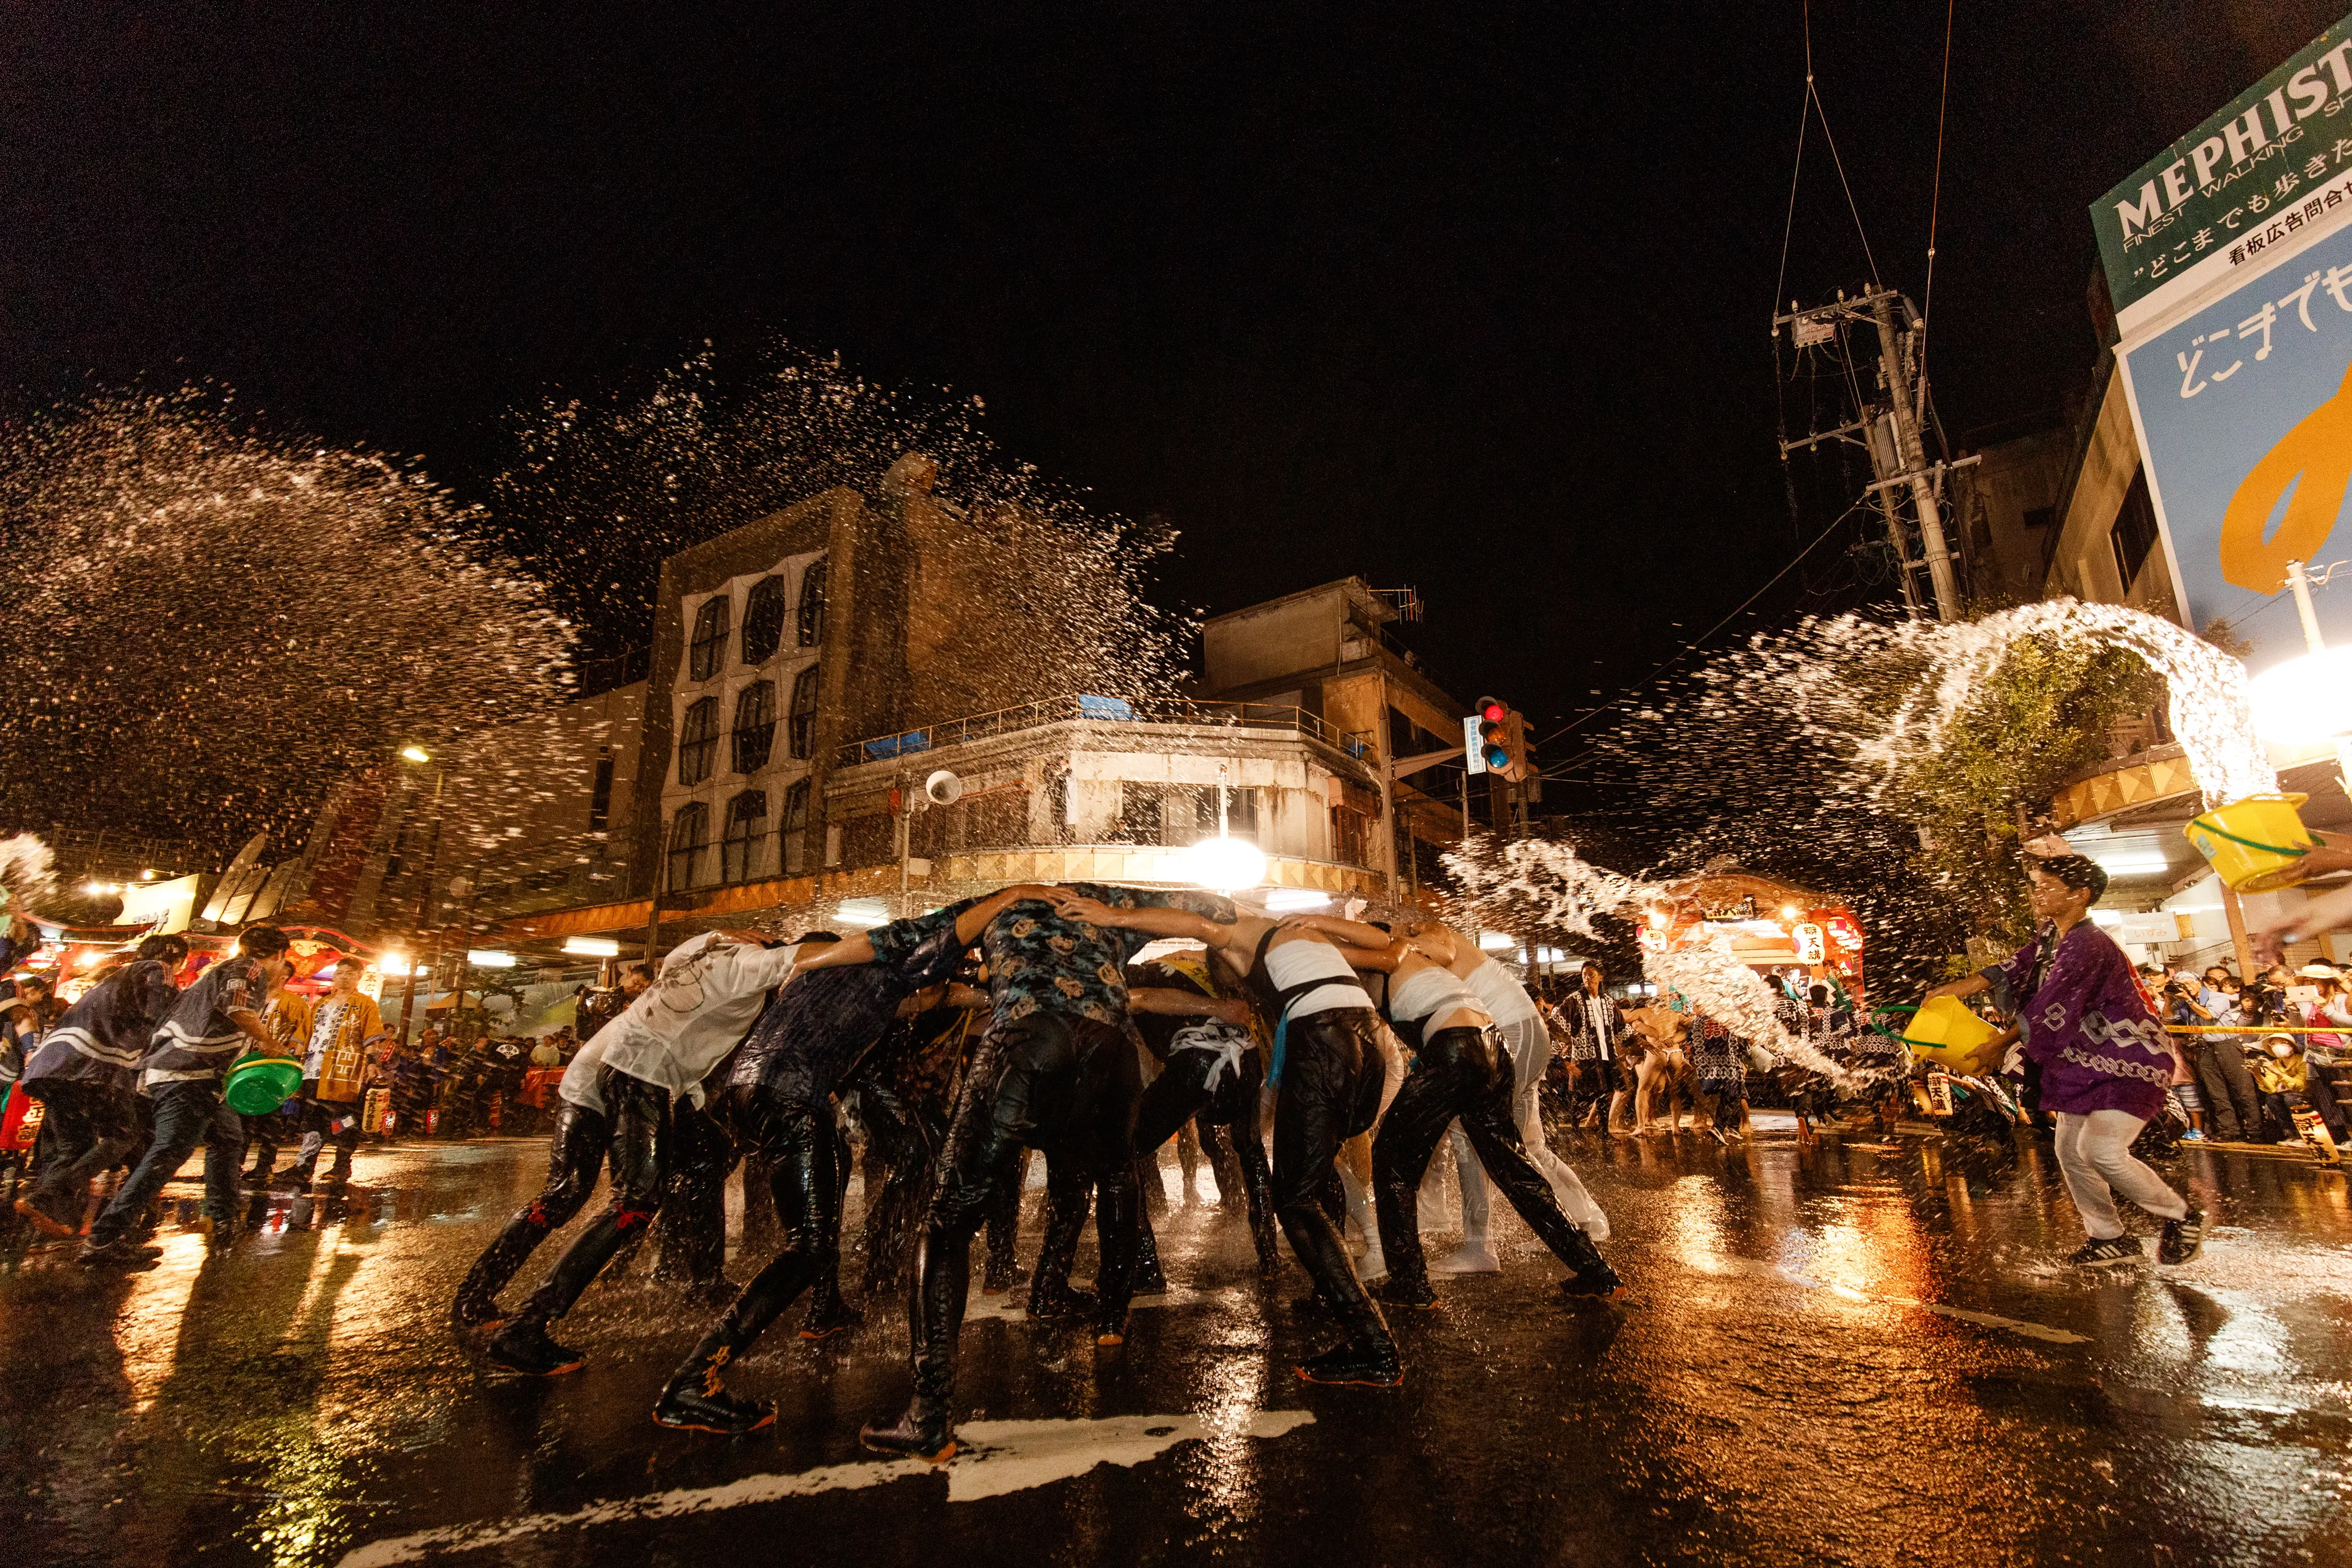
[1330, 652]
[811, 670]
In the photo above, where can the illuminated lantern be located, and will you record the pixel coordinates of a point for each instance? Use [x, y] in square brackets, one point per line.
[1806, 938]
[1844, 933]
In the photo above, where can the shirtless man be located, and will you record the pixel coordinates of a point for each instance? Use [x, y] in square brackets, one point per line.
[1328, 1067]
[1458, 1072]
[1520, 1030]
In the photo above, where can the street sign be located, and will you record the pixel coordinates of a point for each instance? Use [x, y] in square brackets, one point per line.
[2196, 216]
[2244, 412]
[1474, 745]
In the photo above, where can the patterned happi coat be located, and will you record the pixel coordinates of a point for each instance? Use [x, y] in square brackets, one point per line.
[2087, 1023]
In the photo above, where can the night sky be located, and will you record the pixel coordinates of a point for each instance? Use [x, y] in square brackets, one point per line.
[1478, 305]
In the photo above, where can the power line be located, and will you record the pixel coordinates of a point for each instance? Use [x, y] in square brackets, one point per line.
[1814, 96]
[1935, 197]
[1688, 647]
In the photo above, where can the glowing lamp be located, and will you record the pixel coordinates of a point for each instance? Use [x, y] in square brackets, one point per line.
[592, 947]
[1225, 864]
[415, 754]
[2304, 700]
[489, 958]
[1495, 942]
[1291, 900]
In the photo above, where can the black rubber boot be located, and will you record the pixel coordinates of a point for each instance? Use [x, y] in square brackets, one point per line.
[1399, 1291]
[1371, 1366]
[828, 1318]
[694, 1400]
[1149, 1279]
[922, 1433]
[475, 1311]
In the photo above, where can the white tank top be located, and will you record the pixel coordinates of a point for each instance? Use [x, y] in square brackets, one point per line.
[1427, 992]
[1500, 989]
[1290, 964]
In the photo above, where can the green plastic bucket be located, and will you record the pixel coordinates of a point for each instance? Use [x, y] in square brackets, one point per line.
[259, 1085]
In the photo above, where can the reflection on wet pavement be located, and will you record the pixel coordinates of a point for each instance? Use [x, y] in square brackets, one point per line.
[1853, 1354]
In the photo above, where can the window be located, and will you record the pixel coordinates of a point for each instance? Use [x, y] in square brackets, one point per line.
[600, 793]
[755, 725]
[710, 644]
[2133, 534]
[689, 839]
[1241, 811]
[812, 616]
[804, 735]
[698, 741]
[763, 620]
[747, 824]
[1142, 814]
[796, 813]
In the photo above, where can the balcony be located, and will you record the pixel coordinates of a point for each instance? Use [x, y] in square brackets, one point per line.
[1079, 708]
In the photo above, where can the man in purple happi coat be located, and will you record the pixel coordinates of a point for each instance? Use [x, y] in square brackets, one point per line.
[2104, 1059]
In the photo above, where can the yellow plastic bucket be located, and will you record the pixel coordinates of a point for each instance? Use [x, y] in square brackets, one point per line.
[1943, 1031]
[2257, 843]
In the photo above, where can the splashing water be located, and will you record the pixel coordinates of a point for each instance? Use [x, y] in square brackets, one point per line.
[1834, 678]
[1552, 884]
[1027, 590]
[206, 627]
[27, 868]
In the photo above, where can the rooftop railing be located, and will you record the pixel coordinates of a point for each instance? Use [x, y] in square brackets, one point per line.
[1099, 710]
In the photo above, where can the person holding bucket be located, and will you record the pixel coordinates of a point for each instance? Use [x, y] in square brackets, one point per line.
[2106, 1065]
[209, 1023]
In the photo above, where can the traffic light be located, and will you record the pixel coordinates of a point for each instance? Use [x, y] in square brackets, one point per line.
[1486, 733]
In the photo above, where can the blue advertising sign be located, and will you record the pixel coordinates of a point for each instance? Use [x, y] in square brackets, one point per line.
[2244, 410]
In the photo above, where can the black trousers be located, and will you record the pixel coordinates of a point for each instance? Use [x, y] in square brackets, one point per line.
[85, 1129]
[326, 1121]
[582, 1138]
[1460, 1073]
[1180, 1094]
[638, 1163]
[693, 1227]
[1053, 1081]
[1332, 1073]
[904, 1141]
[798, 1145]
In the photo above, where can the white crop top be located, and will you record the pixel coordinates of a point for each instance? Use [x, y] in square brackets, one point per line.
[1507, 1000]
[1427, 992]
[1293, 963]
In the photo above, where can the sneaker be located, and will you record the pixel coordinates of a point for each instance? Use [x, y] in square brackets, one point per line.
[47, 1221]
[713, 1410]
[2183, 1237]
[123, 1253]
[2114, 1253]
[2193, 1137]
[922, 1433]
[1356, 1365]
[523, 1348]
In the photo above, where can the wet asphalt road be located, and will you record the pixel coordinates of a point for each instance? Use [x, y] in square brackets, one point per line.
[1866, 1355]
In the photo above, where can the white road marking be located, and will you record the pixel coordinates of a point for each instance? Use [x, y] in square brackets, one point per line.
[1757, 1267]
[997, 1458]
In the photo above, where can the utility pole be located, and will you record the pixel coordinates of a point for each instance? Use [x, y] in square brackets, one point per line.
[1913, 453]
[1892, 433]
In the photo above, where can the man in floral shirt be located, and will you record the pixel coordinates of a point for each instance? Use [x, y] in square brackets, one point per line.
[1057, 1073]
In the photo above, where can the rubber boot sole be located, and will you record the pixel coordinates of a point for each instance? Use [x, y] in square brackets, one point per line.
[836, 1329]
[767, 1420]
[1304, 1377]
[941, 1458]
[42, 1222]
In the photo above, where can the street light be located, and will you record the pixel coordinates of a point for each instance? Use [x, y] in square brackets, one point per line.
[2301, 701]
[415, 754]
[1225, 864]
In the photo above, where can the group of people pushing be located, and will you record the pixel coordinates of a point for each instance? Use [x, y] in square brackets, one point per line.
[740, 1045]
